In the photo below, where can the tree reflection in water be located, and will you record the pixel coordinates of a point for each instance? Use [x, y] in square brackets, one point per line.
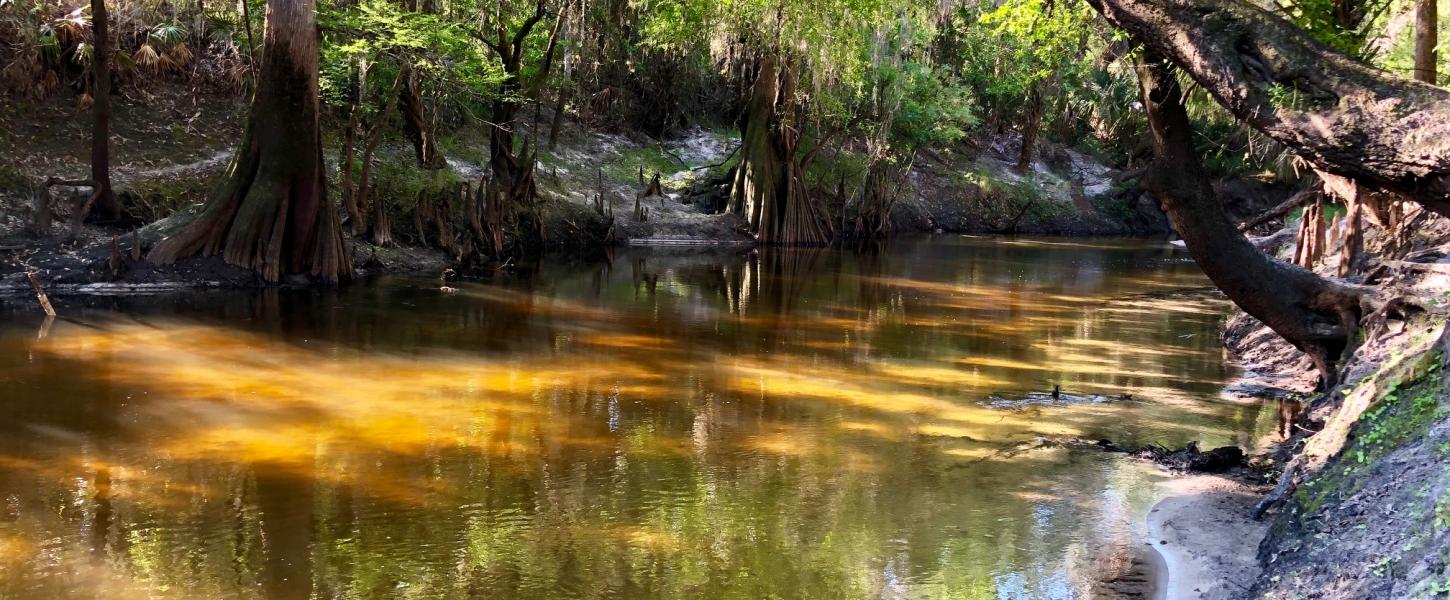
[790, 423]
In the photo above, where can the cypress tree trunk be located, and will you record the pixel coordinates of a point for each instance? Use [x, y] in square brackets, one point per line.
[769, 186]
[758, 176]
[1031, 127]
[271, 213]
[364, 187]
[513, 183]
[1314, 314]
[1426, 38]
[349, 152]
[104, 196]
[415, 124]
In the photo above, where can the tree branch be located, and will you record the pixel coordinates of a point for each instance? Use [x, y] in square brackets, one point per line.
[1341, 115]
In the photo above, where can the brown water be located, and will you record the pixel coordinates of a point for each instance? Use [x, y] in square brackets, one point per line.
[802, 424]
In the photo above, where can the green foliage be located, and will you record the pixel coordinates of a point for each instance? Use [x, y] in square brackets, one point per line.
[1037, 40]
[936, 109]
[1400, 415]
[1396, 50]
[1404, 411]
[1345, 26]
[827, 42]
[624, 167]
[375, 32]
[829, 169]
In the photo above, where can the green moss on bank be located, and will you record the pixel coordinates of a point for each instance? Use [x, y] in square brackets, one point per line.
[1404, 411]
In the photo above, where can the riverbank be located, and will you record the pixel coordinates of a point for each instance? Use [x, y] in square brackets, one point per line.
[1207, 547]
[165, 158]
[1364, 512]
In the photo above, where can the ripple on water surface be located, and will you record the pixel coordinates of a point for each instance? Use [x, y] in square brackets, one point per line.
[786, 423]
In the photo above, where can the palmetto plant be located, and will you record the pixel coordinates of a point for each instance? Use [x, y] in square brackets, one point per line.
[45, 46]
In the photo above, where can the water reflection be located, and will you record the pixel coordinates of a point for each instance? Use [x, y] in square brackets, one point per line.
[789, 424]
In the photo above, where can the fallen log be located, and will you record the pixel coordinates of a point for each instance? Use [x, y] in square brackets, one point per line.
[1280, 210]
[1188, 458]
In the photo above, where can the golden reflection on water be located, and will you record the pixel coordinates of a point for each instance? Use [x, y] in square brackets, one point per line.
[798, 424]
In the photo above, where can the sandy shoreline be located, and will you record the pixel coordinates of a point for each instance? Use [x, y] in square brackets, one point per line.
[1207, 543]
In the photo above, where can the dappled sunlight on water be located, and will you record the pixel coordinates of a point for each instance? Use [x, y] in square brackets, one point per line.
[792, 424]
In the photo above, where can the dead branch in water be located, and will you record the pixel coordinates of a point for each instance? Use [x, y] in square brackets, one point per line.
[40, 294]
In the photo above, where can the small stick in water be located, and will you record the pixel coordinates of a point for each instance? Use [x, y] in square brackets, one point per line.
[40, 294]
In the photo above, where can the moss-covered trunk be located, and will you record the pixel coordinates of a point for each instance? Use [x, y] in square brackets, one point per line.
[271, 213]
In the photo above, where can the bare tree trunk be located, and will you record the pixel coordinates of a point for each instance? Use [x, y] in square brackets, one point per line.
[558, 117]
[349, 189]
[1314, 314]
[271, 213]
[1325, 106]
[415, 125]
[769, 187]
[1031, 127]
[758, 176]
[370, 145]
[1426, 38]
[104, 197]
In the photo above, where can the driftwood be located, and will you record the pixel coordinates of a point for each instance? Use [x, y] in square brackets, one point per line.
[1280, 210]
[40, 294]
[1286, 485]
[1188, 458]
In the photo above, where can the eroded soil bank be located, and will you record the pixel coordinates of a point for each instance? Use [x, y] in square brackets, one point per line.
[1367, 503]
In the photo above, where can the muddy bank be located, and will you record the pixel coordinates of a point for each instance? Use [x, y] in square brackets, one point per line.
[1207, 547]
[1366, 466]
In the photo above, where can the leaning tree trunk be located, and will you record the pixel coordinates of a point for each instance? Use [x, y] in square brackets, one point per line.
[769, 187]
[104, 198]
[1314, 314]
[271, 213]
[1341, 115]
